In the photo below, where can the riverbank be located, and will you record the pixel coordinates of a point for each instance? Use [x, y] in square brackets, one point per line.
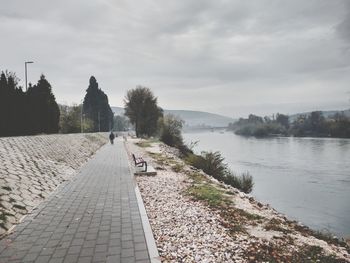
[194, 218]
[305, 178]
[34, 166]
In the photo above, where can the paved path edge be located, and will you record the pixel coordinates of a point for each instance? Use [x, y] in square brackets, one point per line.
[150, 241]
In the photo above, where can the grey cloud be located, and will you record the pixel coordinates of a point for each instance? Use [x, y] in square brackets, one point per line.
[230, 50]
[344, 26]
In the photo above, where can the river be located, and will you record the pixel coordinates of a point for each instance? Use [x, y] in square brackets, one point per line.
[307, 179]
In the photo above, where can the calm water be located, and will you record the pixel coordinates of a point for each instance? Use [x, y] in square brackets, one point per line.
[307, 179]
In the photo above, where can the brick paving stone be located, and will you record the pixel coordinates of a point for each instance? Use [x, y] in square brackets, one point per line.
[71, 258]
[92, 218]
[33, 166]
[84, 260]
[143, 254]
[42, 259]
[128, 260]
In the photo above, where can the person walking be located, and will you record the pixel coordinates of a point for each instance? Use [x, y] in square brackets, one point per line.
[111, 137]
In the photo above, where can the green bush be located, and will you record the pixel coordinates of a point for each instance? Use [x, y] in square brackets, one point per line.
[170, 130]
[243, 182]
[185, 150]
[212, 163]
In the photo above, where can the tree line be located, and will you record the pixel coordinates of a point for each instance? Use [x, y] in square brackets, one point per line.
[27, 112]
[311, 125]
[36, 111]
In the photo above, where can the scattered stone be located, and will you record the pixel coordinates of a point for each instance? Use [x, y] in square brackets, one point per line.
[187, 230]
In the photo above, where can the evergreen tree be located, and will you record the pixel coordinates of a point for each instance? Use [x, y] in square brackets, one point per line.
[44, 112]
[11, 105]
[3, 102]
[96, 107]
[23, 113]
[142, 109]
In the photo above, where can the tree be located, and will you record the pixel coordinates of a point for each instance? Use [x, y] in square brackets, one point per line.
[71, 120]
[3, 104]
[255, 119]
[339, 126]
[142, 110]
[44, 114]
[120, 123]
[283, 120]
[317, 122]
[31, 112]
[12, 105]
[96, 107]
[170, 130]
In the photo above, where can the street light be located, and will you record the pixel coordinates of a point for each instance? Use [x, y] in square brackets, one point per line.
[81, 117]
[99, 122]
[25, 67]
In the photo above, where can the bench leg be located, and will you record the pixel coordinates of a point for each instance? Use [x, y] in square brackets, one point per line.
[141, 165]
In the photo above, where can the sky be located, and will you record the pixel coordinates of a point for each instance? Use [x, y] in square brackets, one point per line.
[222, 56]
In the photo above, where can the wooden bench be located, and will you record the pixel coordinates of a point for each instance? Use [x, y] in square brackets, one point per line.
[139, 162]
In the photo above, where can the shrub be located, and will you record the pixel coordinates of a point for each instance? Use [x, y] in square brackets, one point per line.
[170, 130]
[243, 182]
[212, 163]
[185, 150]
[195, 160]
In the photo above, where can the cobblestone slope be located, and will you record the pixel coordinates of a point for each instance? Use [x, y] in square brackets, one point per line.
[31, 167]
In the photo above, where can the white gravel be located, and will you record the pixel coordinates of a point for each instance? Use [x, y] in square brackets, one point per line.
[185, 230]
[189, 231]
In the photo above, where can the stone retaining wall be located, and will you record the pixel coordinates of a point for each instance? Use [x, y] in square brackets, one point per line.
[31, 167]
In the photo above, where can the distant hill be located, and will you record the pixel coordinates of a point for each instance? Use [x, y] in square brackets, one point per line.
[192, 118]
[118, 110]
[201, 118]
[326, 114]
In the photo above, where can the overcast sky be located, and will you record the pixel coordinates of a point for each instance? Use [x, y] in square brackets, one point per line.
[223, 56]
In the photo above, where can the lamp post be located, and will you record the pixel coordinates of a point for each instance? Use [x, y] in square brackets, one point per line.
[25, 69]
[81, 117]
[99, 122]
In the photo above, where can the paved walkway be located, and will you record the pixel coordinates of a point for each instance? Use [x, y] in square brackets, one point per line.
[94, 218]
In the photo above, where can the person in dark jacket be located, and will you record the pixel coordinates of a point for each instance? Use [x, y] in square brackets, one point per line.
[111, 137]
